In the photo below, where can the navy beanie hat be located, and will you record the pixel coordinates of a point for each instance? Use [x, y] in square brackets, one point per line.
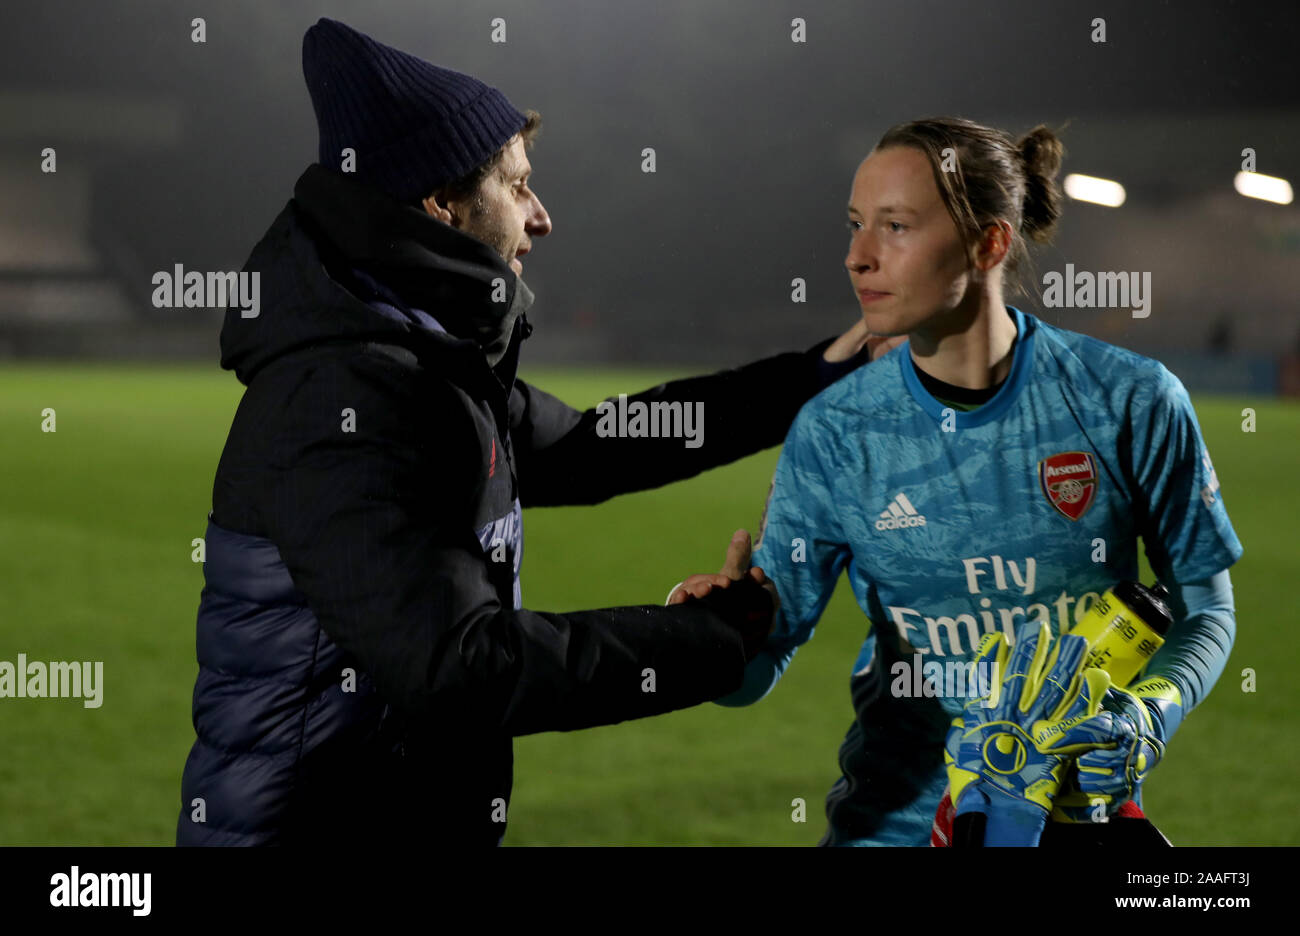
[414, 126]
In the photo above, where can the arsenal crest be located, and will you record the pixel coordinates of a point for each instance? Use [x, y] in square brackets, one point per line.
[1069, 482]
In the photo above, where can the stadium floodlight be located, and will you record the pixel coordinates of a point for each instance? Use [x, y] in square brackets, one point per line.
[1092, 189]
[1265, 187]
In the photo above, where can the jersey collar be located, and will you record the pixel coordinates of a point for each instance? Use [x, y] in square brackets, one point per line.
[1021, 363]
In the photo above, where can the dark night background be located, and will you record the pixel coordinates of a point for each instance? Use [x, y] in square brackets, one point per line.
[175, 152]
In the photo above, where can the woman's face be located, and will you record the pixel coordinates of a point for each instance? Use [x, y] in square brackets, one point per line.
[906, 261]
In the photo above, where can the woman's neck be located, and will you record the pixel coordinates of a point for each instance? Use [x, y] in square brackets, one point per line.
[969, 346]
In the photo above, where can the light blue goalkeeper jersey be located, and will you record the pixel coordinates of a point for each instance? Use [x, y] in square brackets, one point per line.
[954, 524]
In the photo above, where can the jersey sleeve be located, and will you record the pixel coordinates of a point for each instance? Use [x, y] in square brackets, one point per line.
[801, 548]
[1181, 516]
[1195, 651]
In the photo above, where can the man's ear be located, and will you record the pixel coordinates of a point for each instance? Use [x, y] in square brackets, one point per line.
[432, 207]
[994, 245]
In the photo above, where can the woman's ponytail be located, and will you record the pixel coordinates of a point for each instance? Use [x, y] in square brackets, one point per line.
[1041, 152]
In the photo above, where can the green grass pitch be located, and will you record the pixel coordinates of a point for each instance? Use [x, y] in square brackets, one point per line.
[96, 531]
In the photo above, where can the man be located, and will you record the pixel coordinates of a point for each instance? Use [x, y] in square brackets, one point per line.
[364, 654]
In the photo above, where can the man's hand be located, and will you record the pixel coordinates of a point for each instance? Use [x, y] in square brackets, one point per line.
[1008, 753]
[855, 339]
[734, 568]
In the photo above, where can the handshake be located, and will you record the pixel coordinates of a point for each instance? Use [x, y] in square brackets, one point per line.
[743, 597]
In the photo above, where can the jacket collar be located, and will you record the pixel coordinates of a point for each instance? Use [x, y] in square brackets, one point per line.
[461, 281]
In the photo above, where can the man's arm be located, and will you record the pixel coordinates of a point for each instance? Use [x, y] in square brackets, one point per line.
[373, 528]
[565, 457]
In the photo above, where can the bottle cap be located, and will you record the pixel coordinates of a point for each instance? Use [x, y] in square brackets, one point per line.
[1147, 603]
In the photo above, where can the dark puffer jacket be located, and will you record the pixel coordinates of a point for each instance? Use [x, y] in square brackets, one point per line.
[364, 655]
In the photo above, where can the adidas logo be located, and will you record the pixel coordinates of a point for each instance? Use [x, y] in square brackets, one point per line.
[900, 514]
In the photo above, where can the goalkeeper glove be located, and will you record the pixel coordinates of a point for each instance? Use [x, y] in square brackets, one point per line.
[1007, 755]
[1106, 779]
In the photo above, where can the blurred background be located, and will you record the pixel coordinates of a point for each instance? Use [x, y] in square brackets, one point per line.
[175, 152]
[171, 151]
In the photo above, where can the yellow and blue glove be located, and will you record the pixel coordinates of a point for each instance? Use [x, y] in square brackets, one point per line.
[1106, 779]
[1008, 753]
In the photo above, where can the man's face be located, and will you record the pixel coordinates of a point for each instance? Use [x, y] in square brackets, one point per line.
[906, 261]
[506, 213]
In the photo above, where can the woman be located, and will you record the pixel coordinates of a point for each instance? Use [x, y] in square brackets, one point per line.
[992, 471]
